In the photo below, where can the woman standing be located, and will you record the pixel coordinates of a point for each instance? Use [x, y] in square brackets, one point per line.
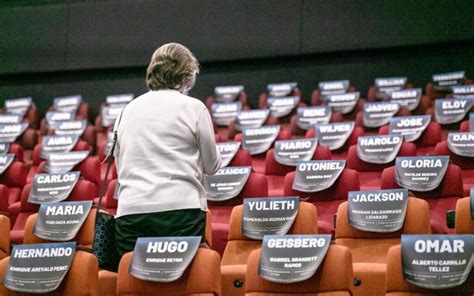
[165, 145]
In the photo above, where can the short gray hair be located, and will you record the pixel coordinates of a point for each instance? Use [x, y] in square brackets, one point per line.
[172, 66]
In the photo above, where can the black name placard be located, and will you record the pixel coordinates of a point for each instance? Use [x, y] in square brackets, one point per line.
[5, 161]
[335, 87]
[61, 144]
[383, 86]
[224, 113]
[110, 114]
[408, 98]
[64, 162]
[471, 122]
[163, 259]
[282, 106]
[343, 103]
[334, 135]
[53, 118]
[68, 103]
[289, 152]
[38, 268]
[61, 221]
[445, 81]
[268, 216]
[437, 261]
[52, 187]
[307, 117]
[379, 149]
[18, 106]
[227, 183]
[292, 258]
[120, 99]
[228, 150]
[10, 132]
[461, 143]
[423, 173]
[4, 148]
[317, 175]
[73, 127]
[251, 118]
[451, 111]
[377, 210]
[10, 118]
[410, 127]
[225, 94]
[463, 91]
[376, 114]
[258, 140]
[281, 89]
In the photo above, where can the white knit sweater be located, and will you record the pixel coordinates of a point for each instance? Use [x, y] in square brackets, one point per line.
[165, 144]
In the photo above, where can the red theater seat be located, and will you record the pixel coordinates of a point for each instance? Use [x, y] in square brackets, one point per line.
[465, 163]
[333, 277]
[4, 236]
[370, 173]
[426, 142]
[326, 201]
[84, 190]
[464, 127]
[464, 222]
[341, 153]
[440, 200]
[201, 278]
[17, 150]
[14, 178]
[256, 186]
[276, 171]
[109, 203]
[295, 130]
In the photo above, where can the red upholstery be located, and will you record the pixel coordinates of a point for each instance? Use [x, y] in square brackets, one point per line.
[36, 158]
[328, 200]
[89, 168]
[440, 200]
[108, 201]
[465, 163]
[84, 190]
[4, 198]
[352, 140]
[464, 127]
[241, 158]
[272, 167]
[296, 130]
[430, 137]
[256, 186]
[370, 173]
[17, 150]
[28, 139]
[14, 178]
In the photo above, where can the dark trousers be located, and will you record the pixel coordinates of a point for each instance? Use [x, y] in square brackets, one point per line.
[187, 222]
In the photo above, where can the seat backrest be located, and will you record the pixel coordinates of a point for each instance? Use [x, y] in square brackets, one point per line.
[417, 221]
[17, 150]
[465, 126]
[241, 158]
[347, 181]
[81, 279]
[430, 137]
[273, 167]
[202, 277]
[333, 275]
[239, 246]
[256, 186]
[36, 154]
[465, 163]
[15, 175]
[464, 221]
[450, 186]
[355, 163]
[352, 140]
[396, 285]
[4, 236]
[84, 190]
[84, 237]
[89, 168]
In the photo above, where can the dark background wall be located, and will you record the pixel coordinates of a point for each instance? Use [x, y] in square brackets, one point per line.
[95, 48]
